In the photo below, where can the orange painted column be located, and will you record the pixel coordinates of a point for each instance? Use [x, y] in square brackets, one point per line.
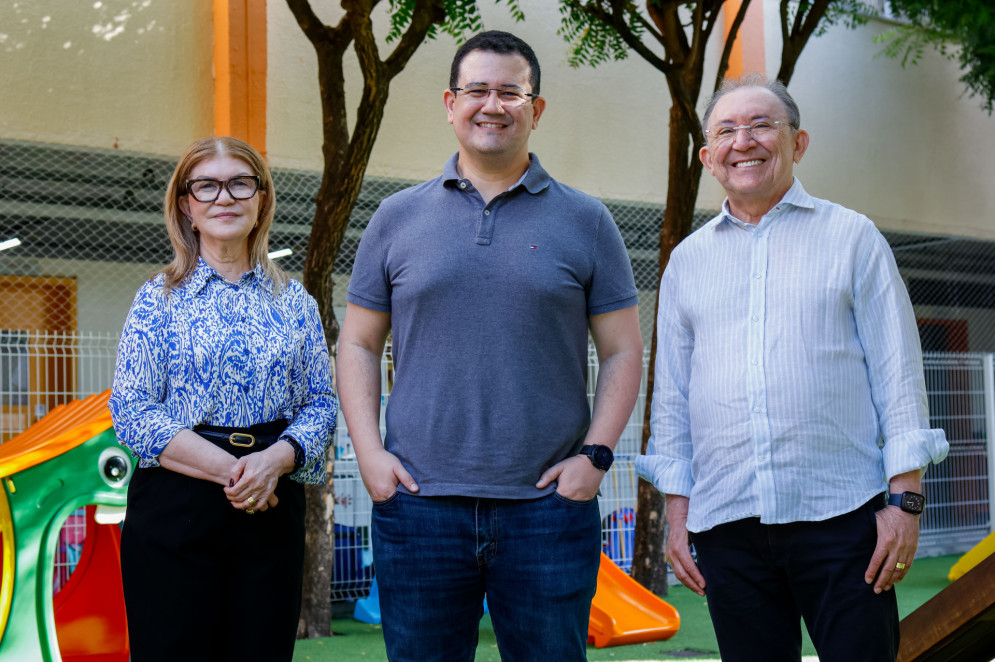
[747, 56]
[240, 71]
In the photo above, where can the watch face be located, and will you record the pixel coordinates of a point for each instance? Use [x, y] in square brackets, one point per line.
[912, 502]
[602, 457]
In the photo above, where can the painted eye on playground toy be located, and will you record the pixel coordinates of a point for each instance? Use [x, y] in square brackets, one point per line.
[114, 467]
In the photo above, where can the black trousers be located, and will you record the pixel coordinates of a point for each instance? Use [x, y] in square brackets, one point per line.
[204, 581]
[761, 580]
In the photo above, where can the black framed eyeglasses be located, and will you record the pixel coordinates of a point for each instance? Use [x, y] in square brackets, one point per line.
[206, 189]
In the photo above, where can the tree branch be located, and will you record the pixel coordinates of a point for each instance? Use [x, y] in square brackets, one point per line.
[426, 14]
[805, 25]
[316, 31]
[358, 17]
[616, 19]
[730, 40]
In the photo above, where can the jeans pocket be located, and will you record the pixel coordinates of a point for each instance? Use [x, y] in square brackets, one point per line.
[388, 501]
[571, 502]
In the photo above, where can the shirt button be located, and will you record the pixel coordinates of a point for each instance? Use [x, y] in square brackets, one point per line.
[756, 318]
[757, 275]
[756, 409]
[487, 212]
[462, 184]
[755, 362]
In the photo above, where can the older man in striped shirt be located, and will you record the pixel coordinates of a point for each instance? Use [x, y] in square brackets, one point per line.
[790, 425]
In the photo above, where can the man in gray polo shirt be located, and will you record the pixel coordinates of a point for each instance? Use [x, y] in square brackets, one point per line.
[489, 278]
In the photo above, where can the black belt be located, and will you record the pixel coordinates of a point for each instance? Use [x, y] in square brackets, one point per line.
[242, 441]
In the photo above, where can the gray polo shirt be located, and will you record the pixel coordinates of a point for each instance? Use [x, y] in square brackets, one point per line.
[489, 310]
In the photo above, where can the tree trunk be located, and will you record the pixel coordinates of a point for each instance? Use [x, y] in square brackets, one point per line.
[346, 157]
[683, 66]
[684, 179]
[648, 567]
[327, 229]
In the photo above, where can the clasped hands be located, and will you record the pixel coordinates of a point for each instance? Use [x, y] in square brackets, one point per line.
[253, 478]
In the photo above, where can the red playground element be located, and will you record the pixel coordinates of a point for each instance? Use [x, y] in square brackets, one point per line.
[90, 619]
[624, 612]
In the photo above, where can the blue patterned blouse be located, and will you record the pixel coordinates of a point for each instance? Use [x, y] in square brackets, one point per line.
[220, 353]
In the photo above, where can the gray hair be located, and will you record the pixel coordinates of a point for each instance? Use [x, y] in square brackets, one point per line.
[755, 80]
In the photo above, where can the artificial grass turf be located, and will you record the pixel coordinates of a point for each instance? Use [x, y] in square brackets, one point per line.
[359, 641]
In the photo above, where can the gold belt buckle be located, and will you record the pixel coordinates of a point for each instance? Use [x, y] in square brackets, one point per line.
[242, 435]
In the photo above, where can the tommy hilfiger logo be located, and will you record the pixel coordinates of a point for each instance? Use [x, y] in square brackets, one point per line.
[533, 246]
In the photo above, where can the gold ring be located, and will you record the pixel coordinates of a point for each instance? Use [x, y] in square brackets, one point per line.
[251, 500]
[900, 566]
[250, 511]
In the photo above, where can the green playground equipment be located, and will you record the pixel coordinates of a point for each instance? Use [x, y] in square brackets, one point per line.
[67, 460]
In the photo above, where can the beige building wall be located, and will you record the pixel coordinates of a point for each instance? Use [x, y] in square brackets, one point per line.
[593, 134]
[128, 74]
[907, 147]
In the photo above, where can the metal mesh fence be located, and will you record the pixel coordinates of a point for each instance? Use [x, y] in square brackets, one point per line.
[89, 226]
[959, 510]
[70, 548]
[39, 371]
[81, 229]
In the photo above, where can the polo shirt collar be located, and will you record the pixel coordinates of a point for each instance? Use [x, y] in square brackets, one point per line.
[534, 180]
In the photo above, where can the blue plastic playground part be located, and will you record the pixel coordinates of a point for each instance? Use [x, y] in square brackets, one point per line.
[367, 610]
[621, 537]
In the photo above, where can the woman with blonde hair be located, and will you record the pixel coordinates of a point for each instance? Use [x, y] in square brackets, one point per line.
[223, 392]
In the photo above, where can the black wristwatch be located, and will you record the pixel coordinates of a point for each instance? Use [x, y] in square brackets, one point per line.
[910, 502]
[299, 457]
[601, 456]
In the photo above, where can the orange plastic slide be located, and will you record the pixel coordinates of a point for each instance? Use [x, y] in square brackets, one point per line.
[623, 612]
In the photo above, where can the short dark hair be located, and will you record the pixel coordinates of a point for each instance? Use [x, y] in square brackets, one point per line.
[496, 41]
[755, 80]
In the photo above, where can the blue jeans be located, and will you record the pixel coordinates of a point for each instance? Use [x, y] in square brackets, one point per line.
[535, 560]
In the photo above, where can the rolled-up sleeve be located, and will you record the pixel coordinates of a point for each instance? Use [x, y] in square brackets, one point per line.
[667, 462]
[313, 424]
[887, 330]
[141, 420]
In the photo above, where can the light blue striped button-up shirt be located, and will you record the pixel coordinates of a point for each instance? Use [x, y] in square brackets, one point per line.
[789, 382]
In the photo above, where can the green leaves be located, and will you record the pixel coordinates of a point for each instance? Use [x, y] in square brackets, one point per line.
[962, 30]
[460, 18]
[592, 41]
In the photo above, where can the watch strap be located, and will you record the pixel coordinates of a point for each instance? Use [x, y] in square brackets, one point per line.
[899, 501]
[299, 457]
[592, 451]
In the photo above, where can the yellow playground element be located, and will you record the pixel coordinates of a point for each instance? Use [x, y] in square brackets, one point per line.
[973, 557]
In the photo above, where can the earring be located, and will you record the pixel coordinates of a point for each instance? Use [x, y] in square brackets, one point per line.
[193, 226]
